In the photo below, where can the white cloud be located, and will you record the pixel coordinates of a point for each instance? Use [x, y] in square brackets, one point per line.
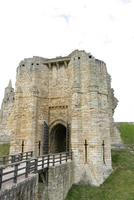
[125, 1]
[52, 28]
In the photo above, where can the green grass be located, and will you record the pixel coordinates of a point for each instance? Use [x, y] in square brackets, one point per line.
[4, 149]
[127, 132]
[120, 185]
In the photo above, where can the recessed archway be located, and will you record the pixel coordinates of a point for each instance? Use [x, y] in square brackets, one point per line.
[57, 140]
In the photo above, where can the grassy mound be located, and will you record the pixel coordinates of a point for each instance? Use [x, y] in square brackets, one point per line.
[120, 185]
[4, 149]
[127, 132]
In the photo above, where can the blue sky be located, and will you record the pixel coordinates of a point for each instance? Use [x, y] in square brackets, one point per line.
[51, 28]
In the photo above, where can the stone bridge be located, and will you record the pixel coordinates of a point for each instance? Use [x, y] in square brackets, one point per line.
[19, 180]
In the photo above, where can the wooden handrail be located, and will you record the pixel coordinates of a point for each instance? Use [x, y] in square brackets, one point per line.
[15, 157]
[33, 165]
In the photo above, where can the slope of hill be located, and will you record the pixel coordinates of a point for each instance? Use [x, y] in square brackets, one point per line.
[120, 185]
[4, 149]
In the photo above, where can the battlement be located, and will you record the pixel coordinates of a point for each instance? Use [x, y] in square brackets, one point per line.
[36, 60]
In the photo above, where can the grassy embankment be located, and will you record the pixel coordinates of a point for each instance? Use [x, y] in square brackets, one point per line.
[127, 132]
[4, 149]
[120, 185]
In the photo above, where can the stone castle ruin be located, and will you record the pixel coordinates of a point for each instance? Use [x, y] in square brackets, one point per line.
[63, 104]
[6, 108]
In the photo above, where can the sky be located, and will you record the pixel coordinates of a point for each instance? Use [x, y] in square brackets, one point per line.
[50, 28]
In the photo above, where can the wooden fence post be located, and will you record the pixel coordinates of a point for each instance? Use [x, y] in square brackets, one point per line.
[71, 155]
[42, 162]
[27, 168]
[15, 173]
[21, 156]
[48, 160]
[31, 153]
[60, 158]
[35, 165]
[12, 158]
[53, 159]
[66, 156]
[26, 155]
[1, 174]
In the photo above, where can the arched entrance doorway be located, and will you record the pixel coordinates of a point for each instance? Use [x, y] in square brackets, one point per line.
[58, 139]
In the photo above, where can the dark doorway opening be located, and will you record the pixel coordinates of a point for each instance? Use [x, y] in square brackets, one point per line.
[58, 139]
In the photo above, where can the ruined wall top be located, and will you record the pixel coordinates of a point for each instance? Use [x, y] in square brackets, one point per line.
[9, 93]
[6, 109]
[36, 60]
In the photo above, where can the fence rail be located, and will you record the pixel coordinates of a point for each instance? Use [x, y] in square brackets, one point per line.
[12, 172]
[4, 160]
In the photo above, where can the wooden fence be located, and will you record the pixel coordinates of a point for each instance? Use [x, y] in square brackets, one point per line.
[13, 172]
[15, 158]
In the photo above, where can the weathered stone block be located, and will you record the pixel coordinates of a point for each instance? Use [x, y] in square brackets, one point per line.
[73, 94]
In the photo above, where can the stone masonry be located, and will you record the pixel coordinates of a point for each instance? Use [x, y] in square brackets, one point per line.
[26, 189]
[59, 182]
[6, 109]
[71, 93]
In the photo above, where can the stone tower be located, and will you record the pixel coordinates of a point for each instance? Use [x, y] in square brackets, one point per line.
[6, 108]
[66, 103]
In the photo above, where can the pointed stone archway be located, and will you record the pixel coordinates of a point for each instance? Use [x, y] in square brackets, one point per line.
[58, 140]
[56, 137]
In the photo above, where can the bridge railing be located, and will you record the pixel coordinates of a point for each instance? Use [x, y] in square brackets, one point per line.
[4, 160]
[13, 172]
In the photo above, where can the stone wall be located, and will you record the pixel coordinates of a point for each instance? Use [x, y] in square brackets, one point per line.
[116, 137]
[73, 90]
[90, 119]
[24, 190]
[60, 180]
[6, 109]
